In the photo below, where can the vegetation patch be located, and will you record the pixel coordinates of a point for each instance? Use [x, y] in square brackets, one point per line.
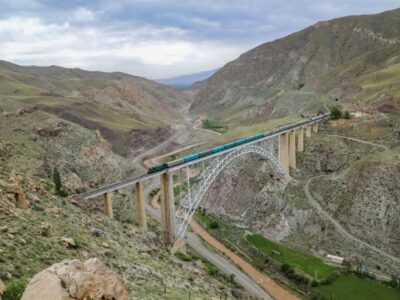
[351, 287]
[309, 264]
[215, 126]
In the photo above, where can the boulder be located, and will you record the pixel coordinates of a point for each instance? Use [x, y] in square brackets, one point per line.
[2, 288]
[68, 242]
[76, 280]
[19, 194]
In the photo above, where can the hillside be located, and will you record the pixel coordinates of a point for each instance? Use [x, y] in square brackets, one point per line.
[355, 59]
[128, 110]
[55, 228]
[182, 82]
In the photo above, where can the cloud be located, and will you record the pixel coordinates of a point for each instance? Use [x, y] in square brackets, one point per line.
[84, 15]
[32, 41]
[155, 38]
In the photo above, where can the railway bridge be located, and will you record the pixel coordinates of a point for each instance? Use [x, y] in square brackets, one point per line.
[278, 147]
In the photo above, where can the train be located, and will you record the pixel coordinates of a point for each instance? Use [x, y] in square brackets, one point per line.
[195, 156]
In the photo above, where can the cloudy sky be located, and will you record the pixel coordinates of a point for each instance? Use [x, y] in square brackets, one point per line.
[156, 38]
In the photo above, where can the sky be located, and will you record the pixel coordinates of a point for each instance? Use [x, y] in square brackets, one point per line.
[156, 38]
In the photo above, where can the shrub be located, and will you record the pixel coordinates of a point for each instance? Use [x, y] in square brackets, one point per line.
[336, 113]
[213, 225]
[182, 256]
[58, 184]
[346, 115]
[314, 283]
[15, 289]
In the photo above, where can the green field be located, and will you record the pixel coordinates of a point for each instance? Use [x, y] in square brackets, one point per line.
[350, 287]
[309, 264]
[215, 126]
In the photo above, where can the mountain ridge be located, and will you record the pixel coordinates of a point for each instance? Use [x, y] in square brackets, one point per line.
[127, 109]
[286, 76]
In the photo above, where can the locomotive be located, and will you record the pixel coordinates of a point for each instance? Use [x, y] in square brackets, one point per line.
[163, 166]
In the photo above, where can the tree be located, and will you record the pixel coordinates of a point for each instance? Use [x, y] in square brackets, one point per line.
[58, 184]
[336, 113]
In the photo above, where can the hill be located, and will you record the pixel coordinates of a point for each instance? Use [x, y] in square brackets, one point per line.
[55, 228]
[182, 82]
[355, 59]
[128, 110]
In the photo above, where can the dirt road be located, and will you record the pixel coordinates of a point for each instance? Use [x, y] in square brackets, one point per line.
[339, 227]
[276, 291]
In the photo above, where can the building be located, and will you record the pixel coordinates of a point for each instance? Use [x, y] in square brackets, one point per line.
[334, 259]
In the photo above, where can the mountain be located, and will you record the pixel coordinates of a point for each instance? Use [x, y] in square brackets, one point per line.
[128, 110]
[354, 59]
[54, 228]
[182, 82]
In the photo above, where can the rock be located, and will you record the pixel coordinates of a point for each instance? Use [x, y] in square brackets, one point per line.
[75, 280]
[21, 111]
[68, 242]
[4, 228]
[12, 230]
[2, 288]
[96, 232]
[19, 194]
[45, 228]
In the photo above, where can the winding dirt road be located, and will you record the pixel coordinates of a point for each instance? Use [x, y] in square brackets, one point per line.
[276, 291]
[329, 218]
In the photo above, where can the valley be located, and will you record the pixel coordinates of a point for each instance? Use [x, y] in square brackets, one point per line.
[274, 177]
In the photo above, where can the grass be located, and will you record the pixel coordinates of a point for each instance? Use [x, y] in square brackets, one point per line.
[309, 264]
[215, 126]
[350, 287]
[248, 130]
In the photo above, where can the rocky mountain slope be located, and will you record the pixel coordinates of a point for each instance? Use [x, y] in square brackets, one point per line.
[128, 110]
[54, 228]
[353, 58]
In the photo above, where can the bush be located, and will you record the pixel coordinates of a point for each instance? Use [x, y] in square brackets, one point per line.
[346, 115]
[314, 283]
[394, 282]
[336, 113]
[15, 289]
[58, 184]
[213, 225]
[183, 256]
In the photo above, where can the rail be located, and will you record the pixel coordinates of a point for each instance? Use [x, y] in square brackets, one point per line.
[133, 180]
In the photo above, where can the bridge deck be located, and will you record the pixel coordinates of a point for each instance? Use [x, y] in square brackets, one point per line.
[132, 181]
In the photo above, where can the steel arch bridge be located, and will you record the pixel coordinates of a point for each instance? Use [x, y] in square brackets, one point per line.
[278, 147]
[189, 203]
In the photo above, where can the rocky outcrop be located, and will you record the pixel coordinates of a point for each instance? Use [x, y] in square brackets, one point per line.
[2, 288]
[19, 195]
[76, 280]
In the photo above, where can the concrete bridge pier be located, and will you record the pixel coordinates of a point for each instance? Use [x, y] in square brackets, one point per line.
[292, 149]
[108, 210]
[168, 224]
[284, 152]
[300, 139]
[140, 206]
[308, 131]
[315, 127]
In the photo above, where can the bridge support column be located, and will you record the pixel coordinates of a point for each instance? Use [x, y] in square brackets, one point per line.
[167, 209]
[108, 210]
[300, 139]
[315, 127]
[140, 206]
[292, 149]
[284, 152]
[308, 131]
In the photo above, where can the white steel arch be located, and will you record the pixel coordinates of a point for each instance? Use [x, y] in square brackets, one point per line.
[192, 199]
